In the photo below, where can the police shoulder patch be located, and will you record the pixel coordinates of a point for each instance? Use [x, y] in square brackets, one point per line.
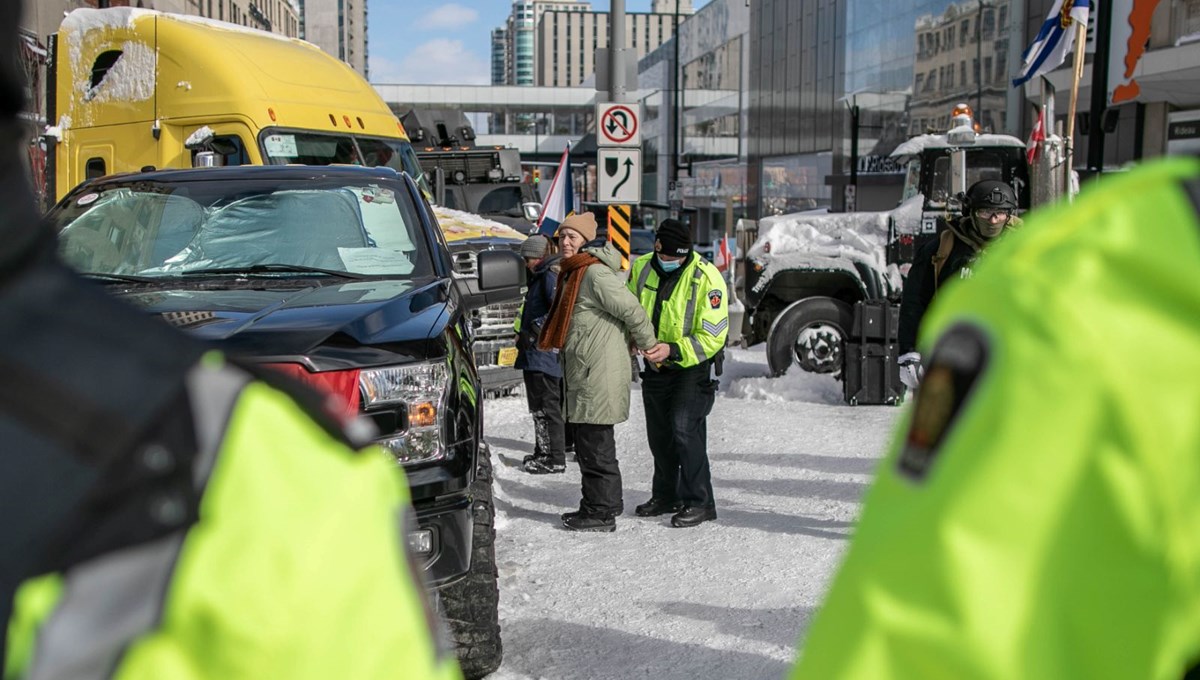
[714, 298]
[959, 359]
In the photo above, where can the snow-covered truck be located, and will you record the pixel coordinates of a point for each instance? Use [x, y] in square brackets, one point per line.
[803, 272]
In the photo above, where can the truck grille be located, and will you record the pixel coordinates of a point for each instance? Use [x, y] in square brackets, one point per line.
[497, 321]
[465, 263]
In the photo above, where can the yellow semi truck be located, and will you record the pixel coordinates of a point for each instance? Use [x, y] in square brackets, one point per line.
[130, 89]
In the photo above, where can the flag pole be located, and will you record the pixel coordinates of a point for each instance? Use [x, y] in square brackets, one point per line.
[1080, 45]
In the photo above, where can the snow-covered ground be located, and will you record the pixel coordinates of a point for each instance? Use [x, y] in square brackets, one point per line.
[727, 599]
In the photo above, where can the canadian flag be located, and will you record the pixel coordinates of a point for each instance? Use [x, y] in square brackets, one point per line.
[1036, 137]
[722, 255]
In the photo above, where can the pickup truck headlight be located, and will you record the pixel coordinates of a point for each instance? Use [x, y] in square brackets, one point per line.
[422, 389]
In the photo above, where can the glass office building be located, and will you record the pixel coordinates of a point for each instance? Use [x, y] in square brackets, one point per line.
[905, 64]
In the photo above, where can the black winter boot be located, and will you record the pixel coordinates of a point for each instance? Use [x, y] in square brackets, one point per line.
[655, 507]
[582, 522]
[542, 465]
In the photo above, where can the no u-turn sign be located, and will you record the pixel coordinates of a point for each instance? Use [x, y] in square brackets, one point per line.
[618, 124]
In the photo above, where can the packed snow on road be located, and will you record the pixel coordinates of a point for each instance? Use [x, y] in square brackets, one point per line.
[727, 599]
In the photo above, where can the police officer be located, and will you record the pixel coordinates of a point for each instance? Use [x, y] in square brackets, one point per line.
[988, 209]
[167, 514]
[685, 297]
[1039, 517]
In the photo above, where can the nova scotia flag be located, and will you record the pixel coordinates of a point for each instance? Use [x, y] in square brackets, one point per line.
[1055, 39]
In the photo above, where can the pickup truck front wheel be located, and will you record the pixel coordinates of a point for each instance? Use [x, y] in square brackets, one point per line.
[470, 606]
[810, 333]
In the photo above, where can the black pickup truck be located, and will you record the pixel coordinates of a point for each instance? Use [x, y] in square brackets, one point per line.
[338, 276]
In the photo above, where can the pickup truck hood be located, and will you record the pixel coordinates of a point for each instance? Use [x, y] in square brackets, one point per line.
[461, 226]
[280, 320]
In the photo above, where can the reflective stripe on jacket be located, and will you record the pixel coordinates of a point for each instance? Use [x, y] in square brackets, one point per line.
[695, 320]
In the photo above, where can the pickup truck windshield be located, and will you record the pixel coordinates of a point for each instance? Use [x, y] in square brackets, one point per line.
[264, 228]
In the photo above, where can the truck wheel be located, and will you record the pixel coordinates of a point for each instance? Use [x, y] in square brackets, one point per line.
[811, 334]
[470, 606]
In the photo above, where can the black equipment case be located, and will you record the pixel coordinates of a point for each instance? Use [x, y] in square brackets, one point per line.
[871, 374]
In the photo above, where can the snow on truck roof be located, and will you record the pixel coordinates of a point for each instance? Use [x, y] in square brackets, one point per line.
[201, 67]
[831, 241]
[84, 19]
[920, 143]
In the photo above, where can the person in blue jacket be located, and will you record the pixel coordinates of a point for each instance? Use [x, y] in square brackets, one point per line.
[542, 372]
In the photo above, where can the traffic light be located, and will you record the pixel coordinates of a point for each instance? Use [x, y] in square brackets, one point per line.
[537, 175]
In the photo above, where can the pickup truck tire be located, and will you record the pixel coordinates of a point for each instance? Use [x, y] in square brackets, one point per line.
[810, 333]
[470, 606]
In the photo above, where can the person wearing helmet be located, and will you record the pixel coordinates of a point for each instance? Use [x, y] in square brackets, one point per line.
[988, 209]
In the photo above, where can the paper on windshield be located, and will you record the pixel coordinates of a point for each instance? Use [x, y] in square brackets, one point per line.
[280, 146]
[375, 260]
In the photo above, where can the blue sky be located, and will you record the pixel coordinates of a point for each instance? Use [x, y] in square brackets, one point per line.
[424, 41]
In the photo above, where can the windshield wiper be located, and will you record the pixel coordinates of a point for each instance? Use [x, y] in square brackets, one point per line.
[269, 269]
[119, 278]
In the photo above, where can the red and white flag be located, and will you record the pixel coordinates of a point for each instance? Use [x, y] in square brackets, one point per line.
[723, 256]
[1036, 137]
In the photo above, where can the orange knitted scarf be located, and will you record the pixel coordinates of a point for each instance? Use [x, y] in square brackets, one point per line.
[554, 333]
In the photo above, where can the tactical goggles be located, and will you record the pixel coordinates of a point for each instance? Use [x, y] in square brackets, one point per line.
[990, 213]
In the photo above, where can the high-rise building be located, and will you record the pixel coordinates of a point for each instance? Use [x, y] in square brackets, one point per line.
[567, 40]
[553, 42]
[519, 32]
[499, 56]
[338, 27]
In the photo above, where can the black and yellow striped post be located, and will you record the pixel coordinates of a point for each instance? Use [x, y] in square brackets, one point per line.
[619, 217]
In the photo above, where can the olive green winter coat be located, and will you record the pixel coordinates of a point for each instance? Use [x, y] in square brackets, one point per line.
[595, 356]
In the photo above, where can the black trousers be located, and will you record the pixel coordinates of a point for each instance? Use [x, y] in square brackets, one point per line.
[677, 404]
[597, 452]
[545, 396]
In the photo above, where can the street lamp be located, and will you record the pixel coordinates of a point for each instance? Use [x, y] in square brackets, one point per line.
[677, 108]
[851, 103]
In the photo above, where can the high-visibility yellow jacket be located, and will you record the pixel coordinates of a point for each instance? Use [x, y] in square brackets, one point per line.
[1039, 515]
[295, 567]
[695, 319]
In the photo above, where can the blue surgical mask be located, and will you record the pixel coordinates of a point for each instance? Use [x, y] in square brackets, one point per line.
[669, 266]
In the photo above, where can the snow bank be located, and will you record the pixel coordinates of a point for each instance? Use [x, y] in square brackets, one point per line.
[744, 378]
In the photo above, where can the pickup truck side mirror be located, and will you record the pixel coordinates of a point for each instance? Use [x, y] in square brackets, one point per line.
[532, 210]
[499, 270]
[499, 277]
